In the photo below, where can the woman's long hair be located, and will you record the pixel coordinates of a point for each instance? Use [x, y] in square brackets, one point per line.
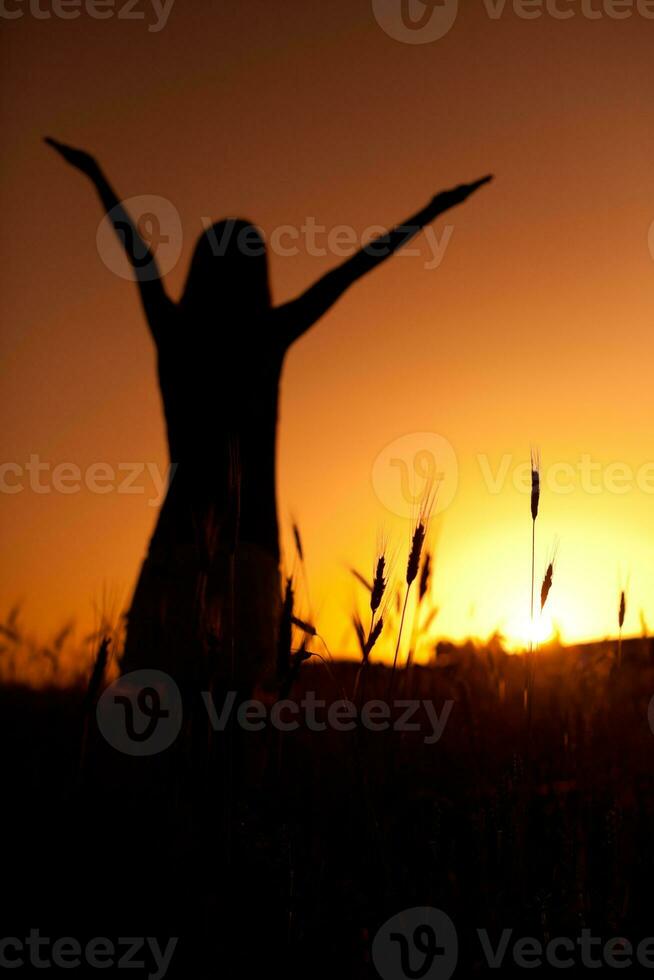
[229, 272]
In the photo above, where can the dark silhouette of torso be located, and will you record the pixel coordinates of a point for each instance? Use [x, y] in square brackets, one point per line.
[218, 396]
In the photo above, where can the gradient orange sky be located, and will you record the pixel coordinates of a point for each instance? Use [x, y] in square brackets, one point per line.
[535, 328]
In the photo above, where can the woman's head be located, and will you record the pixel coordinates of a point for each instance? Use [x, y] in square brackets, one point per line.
[229, 271]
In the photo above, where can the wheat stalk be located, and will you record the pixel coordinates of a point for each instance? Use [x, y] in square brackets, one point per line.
[622, 609]
[534, 502]
[547, 585]
[412, 569]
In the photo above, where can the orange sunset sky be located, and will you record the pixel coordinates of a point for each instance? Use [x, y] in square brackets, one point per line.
[535, 327]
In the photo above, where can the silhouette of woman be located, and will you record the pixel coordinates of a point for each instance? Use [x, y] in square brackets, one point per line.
[213, 562]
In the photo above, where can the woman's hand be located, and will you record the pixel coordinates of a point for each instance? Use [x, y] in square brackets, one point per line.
[448, 199]
[77, 158]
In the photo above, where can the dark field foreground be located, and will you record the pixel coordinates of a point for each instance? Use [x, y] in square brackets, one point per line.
[269, 851]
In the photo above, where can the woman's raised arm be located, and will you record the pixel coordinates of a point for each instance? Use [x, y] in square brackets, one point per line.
[142, 259]
[300, 314]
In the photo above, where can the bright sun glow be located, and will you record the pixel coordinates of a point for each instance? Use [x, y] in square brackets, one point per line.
[520, 631]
